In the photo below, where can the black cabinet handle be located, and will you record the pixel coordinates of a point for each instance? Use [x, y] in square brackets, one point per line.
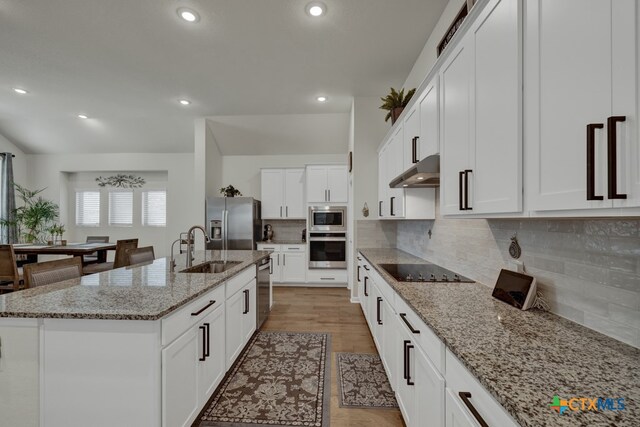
[359, 259]
[612, 143]
[591, 161]
[358, 276]
[380, 208]
[246, 301]
[286, 211]
[280, 211]
[403, 316]
[366, 294]
[409, 347]
[392, 208]
[206, 352]
[270, 266]
[329, 195]
[404, 358]
[366, 267]
[413, 150]
[211, 302]
[460, 185]
[378, 310]
[466, 190]
[417, 159]
[465, 396]
[204, 344]
[284, 259]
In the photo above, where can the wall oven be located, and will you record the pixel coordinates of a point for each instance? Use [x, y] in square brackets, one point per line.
[328, 218]
[327, 250]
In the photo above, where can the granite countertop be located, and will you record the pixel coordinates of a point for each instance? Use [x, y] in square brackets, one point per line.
[523, 358]
[283, 242]
[145, 292]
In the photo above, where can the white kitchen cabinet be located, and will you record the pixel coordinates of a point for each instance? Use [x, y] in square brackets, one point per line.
[327, 183]
[249, 312]
[411, 134]
[480, 113]
[582, 70]
[429, 390]
[294, 266]
[456, 415]
[212, 369]
[240, 320]
[282, 193]
[428, 142]
[389, 332]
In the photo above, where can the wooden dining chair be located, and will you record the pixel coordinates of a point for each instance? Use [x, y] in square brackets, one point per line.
[10, 274]
[140, 255]
[121, 259]
[45, 273]
[93, 257]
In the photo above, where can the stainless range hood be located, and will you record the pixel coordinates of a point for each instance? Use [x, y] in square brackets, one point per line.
[424, 174]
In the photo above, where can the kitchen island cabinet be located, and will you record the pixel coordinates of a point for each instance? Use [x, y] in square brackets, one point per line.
[133, 346]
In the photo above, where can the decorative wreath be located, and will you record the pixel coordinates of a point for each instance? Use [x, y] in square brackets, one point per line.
[121, 181]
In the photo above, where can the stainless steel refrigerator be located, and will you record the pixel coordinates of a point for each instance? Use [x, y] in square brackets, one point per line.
[234, 222]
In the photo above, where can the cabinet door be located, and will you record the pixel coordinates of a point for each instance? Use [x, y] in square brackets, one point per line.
[567, 88]
[212, 369]
[294, 267]
[455, 101]
[429, 143]
[180, 402]
[294, 193]
[375, 306]
[411, 137]
[272, 184]
[276, 267]
[316, 183]
[383, 187]
[396, 195]
[249, 312]
[429, 390]
[366, 298]
[456, 414]
[389, 333]
[338, 184]
[405, 392]
[234, 337]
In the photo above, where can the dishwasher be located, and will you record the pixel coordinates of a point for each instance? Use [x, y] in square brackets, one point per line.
[264, 292]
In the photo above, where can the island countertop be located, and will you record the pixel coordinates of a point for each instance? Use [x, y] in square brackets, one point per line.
[523, 358]
[144, 292]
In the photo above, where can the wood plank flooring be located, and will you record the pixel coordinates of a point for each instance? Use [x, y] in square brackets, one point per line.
[329, 310]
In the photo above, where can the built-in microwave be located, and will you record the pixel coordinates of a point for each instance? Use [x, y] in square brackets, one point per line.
[328, 218]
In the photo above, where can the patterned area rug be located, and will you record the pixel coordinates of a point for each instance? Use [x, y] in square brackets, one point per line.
[282, 379]
[363, 383]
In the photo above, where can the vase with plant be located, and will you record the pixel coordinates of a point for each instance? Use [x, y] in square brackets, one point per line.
[56, 231]
[230, 191]
[395, 102]
[34, 218]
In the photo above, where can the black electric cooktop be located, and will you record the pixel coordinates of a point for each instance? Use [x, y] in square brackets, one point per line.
[423, 273]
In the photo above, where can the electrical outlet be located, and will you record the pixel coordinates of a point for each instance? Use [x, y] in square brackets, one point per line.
[516, 265]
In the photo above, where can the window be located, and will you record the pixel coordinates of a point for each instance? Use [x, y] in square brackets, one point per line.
[88, 208]
[154, 208]
[121, 208]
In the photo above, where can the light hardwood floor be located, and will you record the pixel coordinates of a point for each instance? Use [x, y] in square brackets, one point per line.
[329, 310]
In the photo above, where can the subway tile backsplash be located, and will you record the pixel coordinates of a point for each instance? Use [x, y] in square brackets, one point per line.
[376, 234]
[588, 269]
[288, 229]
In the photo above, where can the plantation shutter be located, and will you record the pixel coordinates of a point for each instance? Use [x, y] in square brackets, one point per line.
[154, 208]
[121, 208]
[88, 208]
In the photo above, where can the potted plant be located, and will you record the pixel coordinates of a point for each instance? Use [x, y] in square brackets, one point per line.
[57, 230]
[230, 191]
[395, 102]
[35, 217]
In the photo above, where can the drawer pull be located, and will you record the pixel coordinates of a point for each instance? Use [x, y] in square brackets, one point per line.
[359, 274]
[379, 319]
[204, 344]
[204, 308]
[403, 316]
[246, 301]
[208, 347]
[366, 294]
[327, 278]
[409, 347]
[465, 396]
[366, 267]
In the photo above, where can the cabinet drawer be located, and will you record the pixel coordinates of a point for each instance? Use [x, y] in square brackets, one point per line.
[459, 379]
[293, 248]
[268, 247]
[240, 280]
[178, 322]
[426, 339]
[385, 288]
[327, 276]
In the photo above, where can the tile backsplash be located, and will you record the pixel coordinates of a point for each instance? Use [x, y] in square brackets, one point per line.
[376, 234]
[286, 229]
[587, 269]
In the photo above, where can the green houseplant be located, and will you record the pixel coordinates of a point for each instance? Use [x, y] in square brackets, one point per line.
[35, 217]
[395, 102]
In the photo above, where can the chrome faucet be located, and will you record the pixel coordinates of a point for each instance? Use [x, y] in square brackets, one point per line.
[190, 239]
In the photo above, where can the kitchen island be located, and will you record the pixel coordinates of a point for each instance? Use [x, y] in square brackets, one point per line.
[133, 346]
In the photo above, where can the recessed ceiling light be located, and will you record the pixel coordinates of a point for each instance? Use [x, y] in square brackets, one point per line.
[405, 185]
[316, 9]
[184, 102]
[20, 91]
[321, 99]
[83, 116]
[420, 178]
[188, 15]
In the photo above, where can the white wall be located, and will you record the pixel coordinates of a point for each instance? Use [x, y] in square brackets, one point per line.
[182, 205]
[19, 162]
[243, 172]
[429, 53]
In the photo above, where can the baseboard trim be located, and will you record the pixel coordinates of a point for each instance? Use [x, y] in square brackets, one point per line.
[355, 300]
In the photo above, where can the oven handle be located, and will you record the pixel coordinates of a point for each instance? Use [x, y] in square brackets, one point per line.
[327, 239]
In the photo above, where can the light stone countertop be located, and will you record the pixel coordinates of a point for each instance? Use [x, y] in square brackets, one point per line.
[145, 292]
[523, 358]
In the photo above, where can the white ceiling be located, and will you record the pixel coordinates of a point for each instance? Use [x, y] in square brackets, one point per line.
[125, 63]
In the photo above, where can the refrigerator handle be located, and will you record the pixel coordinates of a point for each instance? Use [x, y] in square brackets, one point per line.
[224, 229]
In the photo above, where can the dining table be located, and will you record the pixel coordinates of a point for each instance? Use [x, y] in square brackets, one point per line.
[72, 249]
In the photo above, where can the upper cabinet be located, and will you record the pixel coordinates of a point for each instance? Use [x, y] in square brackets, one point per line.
[327, 183]
[282, 193]
[421, 127]
[581, 104]
[480, 116]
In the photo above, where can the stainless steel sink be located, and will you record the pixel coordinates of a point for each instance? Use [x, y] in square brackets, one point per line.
[211, 267]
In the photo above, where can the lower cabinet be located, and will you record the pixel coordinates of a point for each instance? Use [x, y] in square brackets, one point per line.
[288, 262]
[456, 415]
[212, 369]
[240, 321]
